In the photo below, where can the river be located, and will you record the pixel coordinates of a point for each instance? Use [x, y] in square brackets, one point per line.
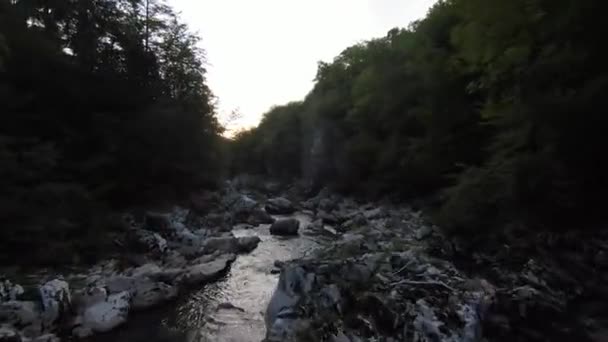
[229, 310]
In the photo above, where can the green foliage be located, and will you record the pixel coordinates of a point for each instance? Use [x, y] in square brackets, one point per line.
[102, 103]
[498, 106]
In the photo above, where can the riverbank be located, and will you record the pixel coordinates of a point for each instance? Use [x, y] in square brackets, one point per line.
[349, 271]
[167, 254]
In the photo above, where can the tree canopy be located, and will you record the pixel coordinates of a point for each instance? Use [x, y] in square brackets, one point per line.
[103, 104]
[495, 107]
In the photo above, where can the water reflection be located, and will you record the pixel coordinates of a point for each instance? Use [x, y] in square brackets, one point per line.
[229, 310]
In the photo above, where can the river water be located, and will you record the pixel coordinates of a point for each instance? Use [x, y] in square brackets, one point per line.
[229, 310]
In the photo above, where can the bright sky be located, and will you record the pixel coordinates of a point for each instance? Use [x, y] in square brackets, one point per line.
[265, 52]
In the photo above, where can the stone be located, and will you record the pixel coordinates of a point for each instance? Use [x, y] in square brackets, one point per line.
[259, 216]
[285, 227]
[247, 244]
[148, 294]
[374, 214]
[356, 221]
[56, 300]
[423, 232]
[19, 313]
[8, 334]
[107, 314]
[141, 240]
[228, 244]
[148, 269]
[174, 259]
[279, 206]
[46, 338]
[281, 314]
[328, 218]
[203, 273]
[327, 204]
[239, 204]
[9, 291]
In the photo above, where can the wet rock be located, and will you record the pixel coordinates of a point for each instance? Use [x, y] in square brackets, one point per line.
[279, 206]
[149, 294]
[226, 244]
[281, 312]
[247, 244]
[104, 315]
[203, 273]
[259, 216]
[285, 227]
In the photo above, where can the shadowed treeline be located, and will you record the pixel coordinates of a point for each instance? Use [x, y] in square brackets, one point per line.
[494, 109]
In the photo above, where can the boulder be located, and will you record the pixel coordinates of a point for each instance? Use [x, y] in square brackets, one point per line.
[327, 204]
[226, 244]
[104, 315]
[148, 269]
[9, 291]
[247, 244]
[423, 232]
[187, 243]
[20, 313]
[143, 241]
[279, 206]
[203, 273]
[239, 204]
[149, 294]
[328, 218]
[260, 216]
[285, 227]
[281, 314]
[56, 300]
[356, 221]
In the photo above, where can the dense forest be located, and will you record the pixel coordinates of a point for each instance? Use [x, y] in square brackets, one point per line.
[491, 110]
[103, 104]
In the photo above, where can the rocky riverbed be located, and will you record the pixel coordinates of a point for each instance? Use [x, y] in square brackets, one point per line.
[245, 265]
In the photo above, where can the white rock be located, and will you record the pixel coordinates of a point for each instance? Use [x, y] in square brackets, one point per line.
[108, 314]
[9, 291]
[279, 206]
[56, 300]
[225, 244]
